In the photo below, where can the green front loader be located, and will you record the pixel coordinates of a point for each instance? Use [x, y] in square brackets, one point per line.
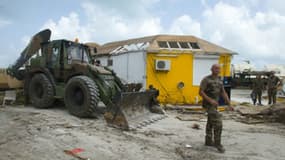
[65, 69]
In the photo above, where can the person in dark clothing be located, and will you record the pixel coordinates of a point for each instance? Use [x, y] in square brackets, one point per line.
[211, 88]
[258, 86]
[272, 84]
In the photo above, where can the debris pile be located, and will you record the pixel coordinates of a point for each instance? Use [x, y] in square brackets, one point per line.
[261, 114]
[277, 112]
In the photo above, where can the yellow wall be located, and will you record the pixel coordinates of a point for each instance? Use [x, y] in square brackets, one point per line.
[225, 61]
[181, 71]
[166, 81]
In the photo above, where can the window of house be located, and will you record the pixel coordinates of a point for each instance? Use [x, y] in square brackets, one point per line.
[162, 44]
[95, 50]
[194, 45]
[173, 45]
[184, 45]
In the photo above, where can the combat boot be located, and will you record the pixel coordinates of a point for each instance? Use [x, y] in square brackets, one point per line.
[209, 141]
[220, 148]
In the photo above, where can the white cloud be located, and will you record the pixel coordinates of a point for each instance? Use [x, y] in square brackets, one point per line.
[185, 25]
[68, 28]
[275, 5]
[149, 27]
[108, 25]
[254, 35]
[103, 25]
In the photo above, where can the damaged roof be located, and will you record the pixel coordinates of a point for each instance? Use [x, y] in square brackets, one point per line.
[150, 44]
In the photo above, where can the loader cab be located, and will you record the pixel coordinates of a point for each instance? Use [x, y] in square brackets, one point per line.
[59, 55]
[77, 53]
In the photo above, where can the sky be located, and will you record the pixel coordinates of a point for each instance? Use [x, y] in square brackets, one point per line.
[255, 29]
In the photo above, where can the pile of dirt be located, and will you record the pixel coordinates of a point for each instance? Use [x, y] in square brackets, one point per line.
[260, 114]
[276, 111]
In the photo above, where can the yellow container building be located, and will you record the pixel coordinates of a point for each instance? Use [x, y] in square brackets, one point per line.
[173, 64]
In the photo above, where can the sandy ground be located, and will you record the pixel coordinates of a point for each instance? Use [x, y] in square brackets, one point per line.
[40, 134]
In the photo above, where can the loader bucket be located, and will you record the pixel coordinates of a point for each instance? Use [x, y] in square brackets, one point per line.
[133, 110]
[32, 48]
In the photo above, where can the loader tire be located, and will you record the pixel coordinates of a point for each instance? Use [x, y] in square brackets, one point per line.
[81, 96]
[41, 91]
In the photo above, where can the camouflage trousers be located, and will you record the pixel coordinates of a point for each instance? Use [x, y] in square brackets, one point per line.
[257, 95]
[272, 95]
[214, 127]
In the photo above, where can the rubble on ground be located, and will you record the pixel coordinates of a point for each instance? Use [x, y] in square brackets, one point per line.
[276, 111]
[30, 133]
[260, 114]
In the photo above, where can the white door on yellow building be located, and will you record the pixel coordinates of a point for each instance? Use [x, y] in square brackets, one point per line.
[202, 67]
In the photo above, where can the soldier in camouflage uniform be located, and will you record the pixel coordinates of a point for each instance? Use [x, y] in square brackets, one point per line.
[272, 84]
[211, 88]
[258, 86]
